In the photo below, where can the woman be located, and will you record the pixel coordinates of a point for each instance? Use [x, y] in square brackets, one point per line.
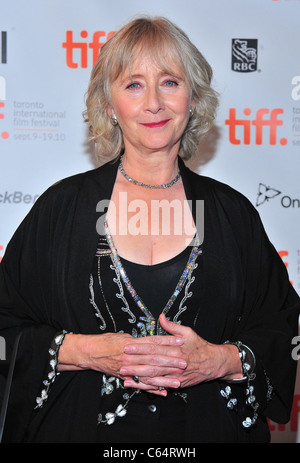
[133, 331]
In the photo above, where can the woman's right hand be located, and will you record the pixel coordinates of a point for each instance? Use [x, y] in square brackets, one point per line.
[106, 353]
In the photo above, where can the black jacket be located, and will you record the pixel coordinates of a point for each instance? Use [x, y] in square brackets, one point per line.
[246, 296]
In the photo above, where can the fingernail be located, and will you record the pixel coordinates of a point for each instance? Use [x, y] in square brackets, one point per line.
[182, 364]
[175, 384]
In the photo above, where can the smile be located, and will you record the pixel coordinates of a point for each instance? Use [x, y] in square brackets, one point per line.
[153, 125]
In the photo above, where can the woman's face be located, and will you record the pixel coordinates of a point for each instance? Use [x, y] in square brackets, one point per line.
[152, 107]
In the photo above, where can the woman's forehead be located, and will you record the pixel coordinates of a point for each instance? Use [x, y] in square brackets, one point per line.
[143, 62]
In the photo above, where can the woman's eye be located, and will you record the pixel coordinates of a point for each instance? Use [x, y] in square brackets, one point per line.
[171, 83]
[133, 86]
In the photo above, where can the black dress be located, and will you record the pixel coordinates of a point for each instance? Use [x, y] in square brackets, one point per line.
[134, 296]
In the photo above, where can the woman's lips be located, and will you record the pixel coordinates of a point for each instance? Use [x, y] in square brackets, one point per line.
[154, 125]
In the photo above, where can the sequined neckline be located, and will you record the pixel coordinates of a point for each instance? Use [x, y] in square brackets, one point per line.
[195, 252]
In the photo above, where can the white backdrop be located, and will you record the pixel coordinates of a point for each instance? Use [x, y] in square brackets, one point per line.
[47, 51]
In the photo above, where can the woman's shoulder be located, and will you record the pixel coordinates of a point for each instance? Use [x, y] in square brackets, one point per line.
[74, 184]
[76, 180]
[218, 191]
[229, 206]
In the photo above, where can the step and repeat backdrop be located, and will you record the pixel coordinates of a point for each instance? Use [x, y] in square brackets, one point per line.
[47, 50]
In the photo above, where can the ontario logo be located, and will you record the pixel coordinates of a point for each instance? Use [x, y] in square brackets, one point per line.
[266, 193]
[244, 55]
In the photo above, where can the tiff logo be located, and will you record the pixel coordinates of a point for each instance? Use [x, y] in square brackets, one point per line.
[3, 47]
[264, 118]
[82, 48]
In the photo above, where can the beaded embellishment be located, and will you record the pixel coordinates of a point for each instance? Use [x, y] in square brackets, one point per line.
[53, 364]
[147, 324]
[195, 252]
[248, 376]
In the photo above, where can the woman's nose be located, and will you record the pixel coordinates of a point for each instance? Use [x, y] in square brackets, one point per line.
[153, 100]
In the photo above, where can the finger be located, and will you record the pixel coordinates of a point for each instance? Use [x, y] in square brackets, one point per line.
[158, 384]
[173, 328]
[150, 371]
[161, 391]
[130, 382]
[158, 340]
[163, 382]
[153, 349]
[152, 361]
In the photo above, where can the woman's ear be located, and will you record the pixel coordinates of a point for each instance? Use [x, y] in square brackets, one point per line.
[193, 103]
[111, 115]
[109, 111]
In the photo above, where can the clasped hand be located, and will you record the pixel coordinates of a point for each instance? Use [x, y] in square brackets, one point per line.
[176, 360]
[180, 360]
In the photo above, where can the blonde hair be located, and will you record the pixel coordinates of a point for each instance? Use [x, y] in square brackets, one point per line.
[169, 46]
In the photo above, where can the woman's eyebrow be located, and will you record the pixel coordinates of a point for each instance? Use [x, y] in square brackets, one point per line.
[129, 76]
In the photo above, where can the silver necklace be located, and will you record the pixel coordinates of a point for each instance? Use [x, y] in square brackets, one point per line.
[145, 185]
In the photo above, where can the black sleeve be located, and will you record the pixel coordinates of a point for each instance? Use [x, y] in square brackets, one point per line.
[25, 306]
[268, 324]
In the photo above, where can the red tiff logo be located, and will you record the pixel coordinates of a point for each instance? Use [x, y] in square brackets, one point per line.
[82, 48]
[265, 120]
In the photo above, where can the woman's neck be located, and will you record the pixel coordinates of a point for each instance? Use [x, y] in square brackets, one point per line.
[152, 168]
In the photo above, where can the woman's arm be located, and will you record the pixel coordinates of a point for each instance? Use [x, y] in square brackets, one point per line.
[83, 352]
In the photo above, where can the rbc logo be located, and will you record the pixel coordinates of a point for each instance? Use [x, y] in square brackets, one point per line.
[3, 49]
[244, 55]
[264, 119]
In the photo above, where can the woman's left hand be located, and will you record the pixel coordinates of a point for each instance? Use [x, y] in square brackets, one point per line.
[204, 361]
